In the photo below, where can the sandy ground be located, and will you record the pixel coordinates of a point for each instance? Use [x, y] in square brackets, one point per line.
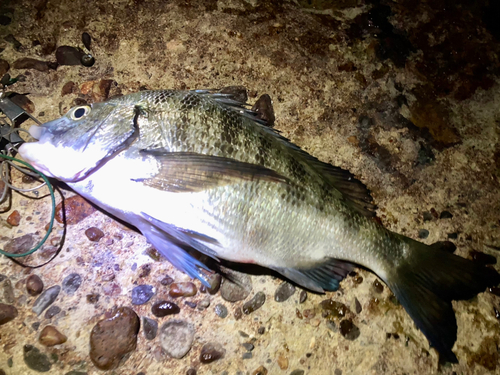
[405, 98]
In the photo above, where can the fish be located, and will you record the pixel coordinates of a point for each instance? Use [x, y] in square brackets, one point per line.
[198, 171]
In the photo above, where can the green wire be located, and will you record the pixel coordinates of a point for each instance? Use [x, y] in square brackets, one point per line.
[51, 190]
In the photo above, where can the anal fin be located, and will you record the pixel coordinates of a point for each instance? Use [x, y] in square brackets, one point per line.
[326, 276]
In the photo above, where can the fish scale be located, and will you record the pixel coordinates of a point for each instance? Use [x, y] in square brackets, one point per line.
[196, 170]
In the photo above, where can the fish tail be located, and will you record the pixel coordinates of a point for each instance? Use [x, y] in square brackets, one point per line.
[428, 281]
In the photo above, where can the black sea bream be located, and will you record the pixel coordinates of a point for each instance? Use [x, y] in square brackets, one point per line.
[195, 170]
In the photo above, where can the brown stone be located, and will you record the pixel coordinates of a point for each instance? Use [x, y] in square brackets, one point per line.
[7, 313]
[50, 336]
[111, 339]
[182, 289]
[14, 218]
[75, 210]
[68, 88]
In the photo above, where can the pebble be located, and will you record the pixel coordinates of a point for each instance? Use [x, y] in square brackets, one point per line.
[35, 326]
[260, 371]
[153, 254]
[76, 373]
[191, 371]
[282, 362]
[75, 210]
[243, 334]
[221, 310]
[238, 313]
[423, 233]
[20, 245]
[247, 355]
[211, 352]
[29, 63]
[67, 55]
[71, 283]
[284, 291]
[248, 346]
[337, 372]
[87, 60]
[303, 296]
[190, 304]
[358, 279]
[427, 216]
[349, 330]
[86, 40]
[46, 299]
[167, 280]
[337, 309]
[214, 281]
[50, 336]
[164, 308]
[8, 292]
[142, 294]
[4, 67]
[255, 303]
[203, 304]
[186, 289]
[445, 215]
[92, 298]
[297, 372]
[94, 234]
[7, 313]
[112, 339]
[149, 327]
[237, 288]
[14, 218]
[357, 306]
[35, 360]
[68, 88]
[264, 108]
[377, 286]
[261, 330]
[52, 311]
[176, 337]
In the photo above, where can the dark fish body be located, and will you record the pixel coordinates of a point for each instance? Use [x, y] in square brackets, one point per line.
[194, 169]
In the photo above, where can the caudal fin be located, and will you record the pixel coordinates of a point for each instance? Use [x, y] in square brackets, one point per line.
[429, 281]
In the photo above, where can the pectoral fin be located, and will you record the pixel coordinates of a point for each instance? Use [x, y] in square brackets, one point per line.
[182, 172]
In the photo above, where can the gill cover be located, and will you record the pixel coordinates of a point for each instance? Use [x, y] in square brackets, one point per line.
[73, 146]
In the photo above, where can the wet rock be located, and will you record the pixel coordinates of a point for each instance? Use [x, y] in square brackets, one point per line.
[153, 254]
[7, 313]
[334, 308]
[29, 63]
[144, 270]
[142, 294]
[149, 327]
[92, 298]
[15, 43]
[71, 283]
[378, 287]
[237, 288]
[264, 108]
[112, 339]
[190, 304]
[423, 233]
[87, 60]
[14, 218]
[255, 303]
[357, 306]
[191, 371]
[237, 313]
[52, 311]
[176, 337]
[4, 67]
[187, 289]
[247, 355]
[243, 334]
[427, 216]
[211, 352]
[50, 336]
[94, 234]
[282, 362]
[260, 371]
[167, 280]
[284, 291]
[248, 346]
[8, 292]
[164, 308]
[68, 88]
[46, 299]
[297, 372]
[214, 280]
[203, 304]
[35, 326]
[75, 210]
[445, 215]
[34, 285]
[86, 40]
[349, 330]
[239, 93]
[303, 296]
[221, 310]
[35, 360]
[483, 258]
[358, 279]
[20, 245]
[261, 330]
[67, 55]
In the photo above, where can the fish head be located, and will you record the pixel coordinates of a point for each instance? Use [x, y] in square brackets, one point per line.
[72, 146]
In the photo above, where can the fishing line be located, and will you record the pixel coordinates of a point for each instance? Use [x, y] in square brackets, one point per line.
[10, 161]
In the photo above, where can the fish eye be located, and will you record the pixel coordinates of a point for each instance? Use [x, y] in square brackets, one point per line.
[80, 112]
